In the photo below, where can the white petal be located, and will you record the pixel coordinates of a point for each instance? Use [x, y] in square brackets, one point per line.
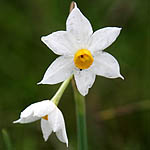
[84, 80]
[106, 65]
[43, 108]
[46, 129]
[26, 116]
[62, 136]
[79, 26]
[58, 71]
[36, 111]
[60, 42]
[103, 38]
[29, 119]
[56, 120]
[17, 121]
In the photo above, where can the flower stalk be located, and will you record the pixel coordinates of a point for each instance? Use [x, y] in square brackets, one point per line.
[80, 112]
[59, 93]
[81, 119]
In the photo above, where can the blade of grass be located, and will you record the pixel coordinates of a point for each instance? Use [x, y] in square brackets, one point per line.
[6, 139]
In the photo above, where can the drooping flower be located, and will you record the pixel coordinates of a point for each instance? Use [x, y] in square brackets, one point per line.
[82, 53]
[51, 119]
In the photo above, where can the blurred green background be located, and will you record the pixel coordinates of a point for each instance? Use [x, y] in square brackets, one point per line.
[118, 112]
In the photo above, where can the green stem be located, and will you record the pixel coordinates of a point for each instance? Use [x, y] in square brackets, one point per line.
[59, 93]
[81, 119]
[6, 139]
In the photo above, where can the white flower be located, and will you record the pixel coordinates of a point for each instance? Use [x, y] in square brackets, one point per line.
[51, 119]
[82, 53]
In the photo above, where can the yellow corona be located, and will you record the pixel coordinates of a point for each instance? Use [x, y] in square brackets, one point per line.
[83, 59]
[45, 117]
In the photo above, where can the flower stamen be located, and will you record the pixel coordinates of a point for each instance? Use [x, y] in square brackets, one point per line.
[83, 59]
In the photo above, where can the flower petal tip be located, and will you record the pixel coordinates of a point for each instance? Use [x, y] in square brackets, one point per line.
[39, 83]
[75, 4]
[66, 144]
[45, 138]
[84, 94]
[43, 38]
[17, 121]
[120, 28]
[121, 77]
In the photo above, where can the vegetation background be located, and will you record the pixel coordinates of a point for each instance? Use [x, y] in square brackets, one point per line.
[118, 112]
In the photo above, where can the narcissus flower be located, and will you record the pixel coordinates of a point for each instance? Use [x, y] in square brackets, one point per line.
[82, 53]
[51, 119]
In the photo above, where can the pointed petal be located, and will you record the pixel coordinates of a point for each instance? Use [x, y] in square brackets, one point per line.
[36, 111]
[43, 108]
[56, 119]
[60, 42]
[57, 122]
[103, 38]
[26, 115]
[84, 80]
[79, 26]
[58, 71]
[106, 65]
[62, 136]
[17, 121]
[29, 119]
[46, 129]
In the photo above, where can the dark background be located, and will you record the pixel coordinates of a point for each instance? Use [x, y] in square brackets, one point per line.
[118, 112]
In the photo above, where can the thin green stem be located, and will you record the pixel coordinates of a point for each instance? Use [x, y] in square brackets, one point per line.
[59, 93]
[81, 119]
[7, 139]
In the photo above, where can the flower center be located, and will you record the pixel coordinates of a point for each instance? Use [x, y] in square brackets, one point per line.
[45, 117]
[83, 59]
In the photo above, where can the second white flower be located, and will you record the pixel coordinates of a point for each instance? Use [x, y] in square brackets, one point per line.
[51, 119]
